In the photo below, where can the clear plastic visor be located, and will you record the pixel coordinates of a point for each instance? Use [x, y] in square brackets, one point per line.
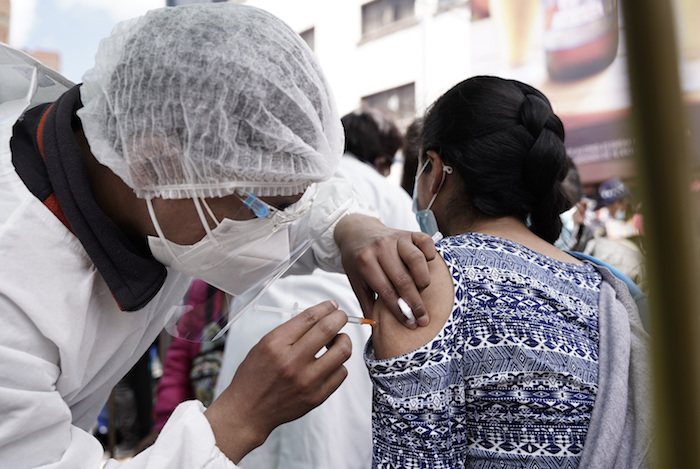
[242, 271]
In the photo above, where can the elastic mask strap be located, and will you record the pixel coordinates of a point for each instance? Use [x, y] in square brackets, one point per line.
[198, 205]
[210, 212]
[445, 170]
[425, 165]
[166, 243]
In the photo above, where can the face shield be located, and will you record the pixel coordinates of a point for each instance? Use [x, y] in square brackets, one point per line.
[243, 257]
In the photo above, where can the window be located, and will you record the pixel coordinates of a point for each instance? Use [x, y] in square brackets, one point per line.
[309, 37]
[380, 13]
[400, 101]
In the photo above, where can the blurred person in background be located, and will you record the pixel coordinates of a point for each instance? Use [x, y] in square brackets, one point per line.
[616, 209]
[372, 137]
[372, 140]
[579, 224]
[621, 242]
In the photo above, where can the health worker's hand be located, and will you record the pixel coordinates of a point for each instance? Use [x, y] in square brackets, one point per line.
[281, 379]
[392, 263]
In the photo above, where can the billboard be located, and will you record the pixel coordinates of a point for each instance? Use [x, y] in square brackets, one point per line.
[574, 52]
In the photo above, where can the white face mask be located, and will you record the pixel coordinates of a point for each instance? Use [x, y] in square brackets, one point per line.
[237, 255]
[244, 255]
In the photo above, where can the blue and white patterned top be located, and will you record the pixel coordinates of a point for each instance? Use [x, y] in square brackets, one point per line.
[510, 380]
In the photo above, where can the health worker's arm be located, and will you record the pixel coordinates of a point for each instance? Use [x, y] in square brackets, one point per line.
[281, 379]
[392, 263]
[389, 336]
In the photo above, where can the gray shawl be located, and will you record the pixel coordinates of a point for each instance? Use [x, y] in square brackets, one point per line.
[619, 434]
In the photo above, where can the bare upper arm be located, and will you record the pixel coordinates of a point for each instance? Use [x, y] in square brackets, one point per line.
[390, 338]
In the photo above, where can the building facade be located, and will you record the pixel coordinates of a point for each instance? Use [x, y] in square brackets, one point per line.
[385, 53]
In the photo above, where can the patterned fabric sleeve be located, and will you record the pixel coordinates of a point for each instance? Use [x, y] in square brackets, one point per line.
[418, 405]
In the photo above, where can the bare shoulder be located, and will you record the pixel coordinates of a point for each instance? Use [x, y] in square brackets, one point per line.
[390, 338]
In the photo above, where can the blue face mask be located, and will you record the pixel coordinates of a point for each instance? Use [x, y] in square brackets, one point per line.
[426, 218]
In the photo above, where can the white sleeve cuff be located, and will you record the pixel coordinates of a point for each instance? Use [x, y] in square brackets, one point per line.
[186, 441]
[325, 249]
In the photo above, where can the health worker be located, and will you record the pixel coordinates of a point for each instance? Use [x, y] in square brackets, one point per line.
[201, 144]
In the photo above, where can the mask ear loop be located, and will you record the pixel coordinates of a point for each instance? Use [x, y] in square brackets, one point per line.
[415, 185]
[198, 205]
[210, 212]
[425, 165]
[445, 171]
[152, 213]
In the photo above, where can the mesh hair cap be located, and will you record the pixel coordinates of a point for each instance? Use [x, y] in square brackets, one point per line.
[202, 100]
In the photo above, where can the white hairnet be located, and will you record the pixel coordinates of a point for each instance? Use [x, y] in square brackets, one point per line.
[201, 100]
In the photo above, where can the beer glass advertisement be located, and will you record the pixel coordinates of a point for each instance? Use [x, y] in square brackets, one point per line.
[574, 52]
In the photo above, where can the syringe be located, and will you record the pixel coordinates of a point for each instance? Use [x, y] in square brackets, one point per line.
[296, 310]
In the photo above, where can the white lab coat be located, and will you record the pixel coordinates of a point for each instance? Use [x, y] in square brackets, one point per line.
[338, 433]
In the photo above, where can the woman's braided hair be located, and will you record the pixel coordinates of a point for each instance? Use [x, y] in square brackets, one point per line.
[504, 140]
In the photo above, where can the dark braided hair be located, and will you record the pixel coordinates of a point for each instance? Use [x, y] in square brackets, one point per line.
[507, 145]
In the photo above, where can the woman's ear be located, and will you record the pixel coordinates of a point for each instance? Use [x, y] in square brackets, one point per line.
[436, 174]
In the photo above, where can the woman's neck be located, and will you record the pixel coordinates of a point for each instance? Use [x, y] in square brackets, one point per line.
[503, 227]
[512, 229]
